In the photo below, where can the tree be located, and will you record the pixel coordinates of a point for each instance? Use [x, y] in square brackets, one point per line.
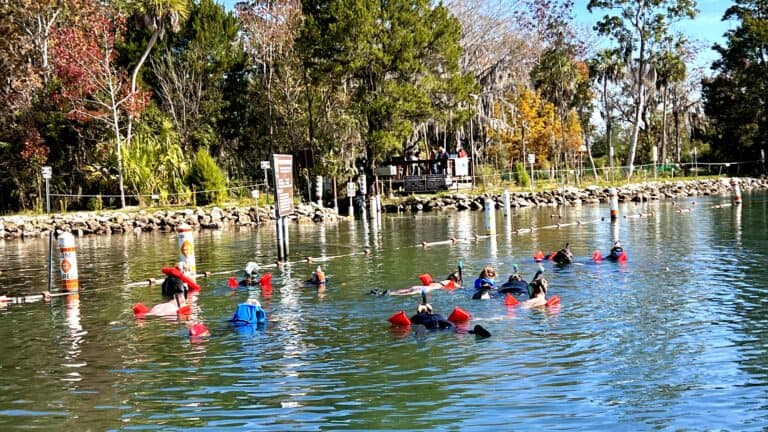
[158, 16]
[735, 98]
[398, 60]
[557, 77]
[95, 88]
[607, 68]
[190, 68]
[636, 27]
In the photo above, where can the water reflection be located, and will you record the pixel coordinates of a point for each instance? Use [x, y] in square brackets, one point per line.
[633, 347]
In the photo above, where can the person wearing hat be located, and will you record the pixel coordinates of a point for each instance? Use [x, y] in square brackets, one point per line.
[616, 251]
[251, 274]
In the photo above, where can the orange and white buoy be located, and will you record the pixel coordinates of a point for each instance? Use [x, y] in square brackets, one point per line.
[736, 192]
[68, 262]
[187, 249]
[614, 204]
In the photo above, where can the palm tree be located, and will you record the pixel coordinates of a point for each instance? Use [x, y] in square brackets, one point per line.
[556, 76]
[158, 15]
[607, 68]
[670, 69]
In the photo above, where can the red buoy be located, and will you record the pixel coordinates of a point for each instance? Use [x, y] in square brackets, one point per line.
[510, 300]
[139, 310]
[553, 301]
[184, 310]
[198, 330]
[232, 283]
[426, 279]
[458, 315]
[597, 256]
[399, 319]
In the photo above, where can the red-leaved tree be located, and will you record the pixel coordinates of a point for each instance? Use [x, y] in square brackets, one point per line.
[95, 88]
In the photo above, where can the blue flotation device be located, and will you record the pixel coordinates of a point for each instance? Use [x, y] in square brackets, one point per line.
[249, 314]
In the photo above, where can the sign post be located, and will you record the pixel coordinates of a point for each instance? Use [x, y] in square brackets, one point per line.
[266, 167]
[351, 190]
[282, 171]
[47, 172]
[531, 160]
[654, 158]
[255, 195]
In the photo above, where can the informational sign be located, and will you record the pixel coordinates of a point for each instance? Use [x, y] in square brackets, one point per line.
[461, 167]
[531, 158]
[265, 165]
[47, 172]
[282, 169]
[351, 190]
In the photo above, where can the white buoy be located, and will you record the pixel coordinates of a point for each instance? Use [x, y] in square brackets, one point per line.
[507, 203]
[736, 192]
[614, 204]
[68, 262]
[187, 249]
[490, 216]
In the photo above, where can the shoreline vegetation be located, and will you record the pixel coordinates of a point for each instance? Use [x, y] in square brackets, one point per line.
[136, 221]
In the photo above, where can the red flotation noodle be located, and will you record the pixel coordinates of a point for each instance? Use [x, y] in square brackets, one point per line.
[173, 271]
[140, 310]
[232, 283]
[458, 315]
[399, 319]
[426, 279]
[510, 300]
[553, 301]
[597, 256]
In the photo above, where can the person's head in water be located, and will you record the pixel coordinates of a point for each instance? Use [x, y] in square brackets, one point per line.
[455, 277]
[318, 276]
[515, 277]
[424, 308]
[175, 288]
[538, 287]
[617, 245]
[488, 273]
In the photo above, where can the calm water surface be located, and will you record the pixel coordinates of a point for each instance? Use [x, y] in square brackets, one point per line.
[676, 339]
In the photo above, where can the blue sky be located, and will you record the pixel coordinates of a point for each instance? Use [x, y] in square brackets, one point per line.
[706, 28]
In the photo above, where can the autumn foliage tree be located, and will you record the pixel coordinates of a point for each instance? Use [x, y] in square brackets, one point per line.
[93, 87]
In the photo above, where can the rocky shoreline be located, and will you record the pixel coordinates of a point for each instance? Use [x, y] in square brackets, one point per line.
[570, 196]
[109, 222]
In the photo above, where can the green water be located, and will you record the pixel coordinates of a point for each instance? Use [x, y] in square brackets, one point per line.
[676, 339]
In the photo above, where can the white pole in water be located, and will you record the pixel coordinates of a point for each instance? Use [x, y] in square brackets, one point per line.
[507, 203]
[187, 249]
[319, 190]
[614, 205]
[47, 172]
[736, 192]
[490, 216]
[68, 262]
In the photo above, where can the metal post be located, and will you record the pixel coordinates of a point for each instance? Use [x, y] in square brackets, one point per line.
[46, 172]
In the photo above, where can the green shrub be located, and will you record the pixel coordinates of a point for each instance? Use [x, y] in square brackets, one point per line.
[208, 179]
[95, 203]
[521, 175]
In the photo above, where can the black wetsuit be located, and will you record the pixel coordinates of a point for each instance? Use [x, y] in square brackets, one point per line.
[518, 286]
[431, 321]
